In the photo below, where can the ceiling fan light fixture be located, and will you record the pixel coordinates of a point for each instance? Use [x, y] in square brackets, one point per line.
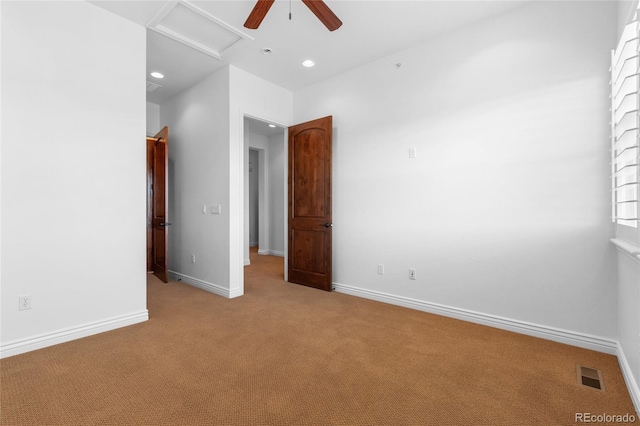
[308, 63]
[267, 51]
[157, 74]
[318, 7]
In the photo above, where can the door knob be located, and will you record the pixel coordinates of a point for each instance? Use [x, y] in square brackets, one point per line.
[165, 224]
[327, 225]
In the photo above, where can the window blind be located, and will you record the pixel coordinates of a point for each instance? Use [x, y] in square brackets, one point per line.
[625, 123]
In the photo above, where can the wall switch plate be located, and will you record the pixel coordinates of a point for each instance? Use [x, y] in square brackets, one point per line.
[217, 209]
[381, 269]
[412, 274]
[193, 258]
[24, 302]
[204, 209]
[412, 152]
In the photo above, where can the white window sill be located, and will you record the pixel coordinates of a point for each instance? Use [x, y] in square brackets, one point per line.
[629, 248]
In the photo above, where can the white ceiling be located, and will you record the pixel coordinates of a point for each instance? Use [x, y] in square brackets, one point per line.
[371, 30]
[262, 128]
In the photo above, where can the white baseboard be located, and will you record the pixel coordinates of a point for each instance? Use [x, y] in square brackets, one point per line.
[550, 333]
[632, 384]
[271, 253]
[204, 285]
[247, 262]
[68, 334]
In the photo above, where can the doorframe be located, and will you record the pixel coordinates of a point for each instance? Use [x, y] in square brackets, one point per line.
[152, 143]
[240, 169]
[263, 203]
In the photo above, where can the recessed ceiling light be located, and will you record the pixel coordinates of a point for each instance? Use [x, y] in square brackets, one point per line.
[272, 125]
[157, 74]
[308, 63]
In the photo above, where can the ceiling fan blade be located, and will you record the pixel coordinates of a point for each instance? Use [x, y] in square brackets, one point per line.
[258, 13]
[324, 14]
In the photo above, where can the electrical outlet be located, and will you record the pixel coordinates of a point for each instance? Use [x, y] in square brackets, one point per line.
[381, 269]
[24, 302]
[193, 258]
[412, 274]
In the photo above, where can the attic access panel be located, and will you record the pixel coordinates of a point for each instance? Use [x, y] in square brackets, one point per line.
[196, 28]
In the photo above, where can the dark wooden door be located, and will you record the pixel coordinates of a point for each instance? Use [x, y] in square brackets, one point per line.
[151, 146]
[310, 225]
[160, 259]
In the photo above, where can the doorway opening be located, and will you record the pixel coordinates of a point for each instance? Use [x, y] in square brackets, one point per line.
[254, 196]
[264, 190]
[157, 194]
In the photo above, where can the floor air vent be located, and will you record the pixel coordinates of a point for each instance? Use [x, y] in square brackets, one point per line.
[590, 377]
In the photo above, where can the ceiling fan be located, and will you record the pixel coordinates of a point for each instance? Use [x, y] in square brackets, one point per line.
[318, 7]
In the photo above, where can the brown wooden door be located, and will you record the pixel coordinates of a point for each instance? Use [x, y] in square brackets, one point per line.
[151, 147]
[160, 259]
[310, 203]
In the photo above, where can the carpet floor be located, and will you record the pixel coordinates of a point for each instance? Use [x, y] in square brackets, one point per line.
[284, 354]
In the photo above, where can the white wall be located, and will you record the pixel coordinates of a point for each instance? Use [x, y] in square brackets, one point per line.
[629, 322]
[1, 137]
[505, 211]
[198, 121]
[260, 144]
[206, 167]
[254, 171]
[277, 190]
[250, 96]
[73, 183]
[626, 8]
[628, 281]
[153, 119]
[270, 208]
